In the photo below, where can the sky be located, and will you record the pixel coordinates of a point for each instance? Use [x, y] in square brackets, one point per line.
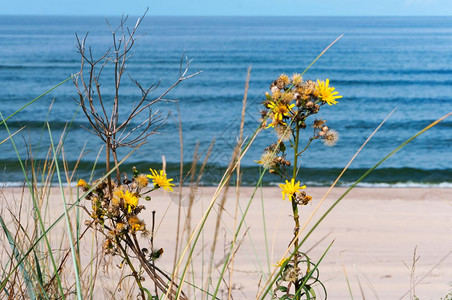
[229, 7]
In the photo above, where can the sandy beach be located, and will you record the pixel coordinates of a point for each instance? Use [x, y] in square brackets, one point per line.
[375, 232]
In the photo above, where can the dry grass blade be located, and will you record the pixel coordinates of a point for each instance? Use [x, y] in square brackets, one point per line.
[12, 135]
[426, 274]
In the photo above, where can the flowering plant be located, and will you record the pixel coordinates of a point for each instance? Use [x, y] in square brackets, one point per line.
[288, 105]
[116, 216]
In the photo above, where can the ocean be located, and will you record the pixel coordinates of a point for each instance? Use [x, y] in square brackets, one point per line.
[379, 64]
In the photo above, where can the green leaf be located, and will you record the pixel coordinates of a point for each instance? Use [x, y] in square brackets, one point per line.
[282, 288]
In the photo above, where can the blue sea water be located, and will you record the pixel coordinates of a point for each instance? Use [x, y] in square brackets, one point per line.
[379, 64]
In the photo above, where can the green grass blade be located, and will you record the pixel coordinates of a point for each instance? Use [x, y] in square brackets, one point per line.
[37, 213]
[16, 254]
[46, 231]
[320, 55]
[37, 98]
[38, 270]
[66, 216]
[316, 266]
[397, 149]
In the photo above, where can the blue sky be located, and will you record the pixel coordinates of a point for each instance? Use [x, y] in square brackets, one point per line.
[230, 7]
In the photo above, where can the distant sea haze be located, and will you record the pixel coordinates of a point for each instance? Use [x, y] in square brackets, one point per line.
[380, 64]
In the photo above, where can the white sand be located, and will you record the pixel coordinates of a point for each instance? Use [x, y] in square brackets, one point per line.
[375, 232]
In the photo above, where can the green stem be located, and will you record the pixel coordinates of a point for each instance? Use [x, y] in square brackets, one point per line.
[296, 217]
[134, 272]
[305, 148]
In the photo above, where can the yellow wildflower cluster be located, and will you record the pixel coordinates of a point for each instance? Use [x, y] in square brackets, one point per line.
[288, 93]
[116, 208]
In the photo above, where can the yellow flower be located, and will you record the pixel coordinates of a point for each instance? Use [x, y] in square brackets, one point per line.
[118, 194]
[82, 183]
[135, 223]
[280, 263]
[130, 199]
[279, 111]
[326, 93]
[290, 188]
[160, 181]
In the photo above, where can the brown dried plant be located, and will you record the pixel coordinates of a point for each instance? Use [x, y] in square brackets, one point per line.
[115, 203]
[105, 121]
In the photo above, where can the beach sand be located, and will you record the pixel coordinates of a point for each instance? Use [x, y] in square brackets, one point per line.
[375, 232]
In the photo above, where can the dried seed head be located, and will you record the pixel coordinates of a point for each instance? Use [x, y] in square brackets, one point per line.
[142, 180]
[290, 274]
[283, 79]
[318, 123]
[267, 159]
[284, 133]
[287, 97]
[331, 137]
[297, 79]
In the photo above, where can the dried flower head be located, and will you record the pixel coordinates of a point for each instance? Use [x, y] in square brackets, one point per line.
[331, 137]
[284, 79]
[276, 95]
[290, 273]
[318, 124]
[142, 180]
[297, 78]
[136, 224]
[287, 97]
[118, 194]
[283, 132]
[267, 159]
[274, 89]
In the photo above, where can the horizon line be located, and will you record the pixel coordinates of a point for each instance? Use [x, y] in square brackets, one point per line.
[232, 16]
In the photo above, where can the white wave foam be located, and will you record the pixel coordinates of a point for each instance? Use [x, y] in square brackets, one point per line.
[409, 184]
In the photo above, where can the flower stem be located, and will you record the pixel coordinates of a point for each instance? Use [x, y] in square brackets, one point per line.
[134, 272]
[295, 206]
[305, 148]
